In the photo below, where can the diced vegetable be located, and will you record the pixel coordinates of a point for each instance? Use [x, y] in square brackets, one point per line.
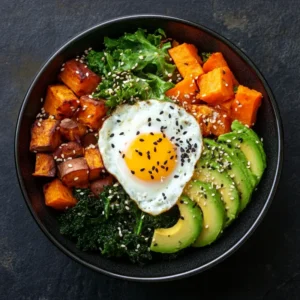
[44, 136]
[74, 172]
[212, 121]
[89, 139]
[91, 112]
[98, 186]
[217, 60]
[187, 60]
[58, 196]
[79, 78]
[44, 165]
[60, 101]
[184, 92]
[226, 106]
[72, 130]
[245, 105]
[94, 161]
[216, 86]
[67, 150]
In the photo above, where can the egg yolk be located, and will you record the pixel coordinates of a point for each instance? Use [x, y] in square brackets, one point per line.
[151, 156]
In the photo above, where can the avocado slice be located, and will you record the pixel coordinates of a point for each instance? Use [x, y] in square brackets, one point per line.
[238, 127]
[183, 233]
[209, 200]
[211, 172]
[230, 161]
[250, 150]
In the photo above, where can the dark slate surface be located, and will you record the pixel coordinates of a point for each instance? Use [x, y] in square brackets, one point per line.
[266, 267]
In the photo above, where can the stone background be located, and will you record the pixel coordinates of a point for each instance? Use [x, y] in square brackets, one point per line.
[267, 266]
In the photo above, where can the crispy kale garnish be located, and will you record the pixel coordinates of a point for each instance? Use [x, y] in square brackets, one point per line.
[205, 56]
[113, 224]
[133, 67]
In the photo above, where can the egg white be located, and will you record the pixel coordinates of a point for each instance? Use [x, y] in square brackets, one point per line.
[129, 119]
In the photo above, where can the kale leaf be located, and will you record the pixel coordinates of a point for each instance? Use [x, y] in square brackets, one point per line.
[133, 67]
[113, 224]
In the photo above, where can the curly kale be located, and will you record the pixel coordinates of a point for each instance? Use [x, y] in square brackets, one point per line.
[113, 224]
[133, 67]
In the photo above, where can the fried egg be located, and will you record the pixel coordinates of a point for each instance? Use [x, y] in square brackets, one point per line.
[151, 148]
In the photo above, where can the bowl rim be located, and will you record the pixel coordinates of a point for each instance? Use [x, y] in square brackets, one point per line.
[279, 129]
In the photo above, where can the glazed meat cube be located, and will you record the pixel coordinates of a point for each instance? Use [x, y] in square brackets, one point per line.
[72, 130]
[67, 150]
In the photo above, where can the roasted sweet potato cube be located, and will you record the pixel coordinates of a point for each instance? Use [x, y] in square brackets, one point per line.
[245, 105]
[67, 150]
[79, 78]
[217, 60]
[72, 130]
[58, 196]
[187, 60]
[44, 165]
[216, 86]
[184, 92]
[74, 172]
[89, 139]
[212, 121]
[94, 161]
[91, 112]
[44, 136]
[98, 186]
[60, 101]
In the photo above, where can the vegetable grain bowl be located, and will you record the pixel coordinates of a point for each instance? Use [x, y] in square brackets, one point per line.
[148, 148]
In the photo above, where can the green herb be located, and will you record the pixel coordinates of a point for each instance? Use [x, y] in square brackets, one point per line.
[113, 224]
[133, 67]
[205, 56]
[235, 88]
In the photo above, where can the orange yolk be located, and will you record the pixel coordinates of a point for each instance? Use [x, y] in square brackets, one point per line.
[151, 156]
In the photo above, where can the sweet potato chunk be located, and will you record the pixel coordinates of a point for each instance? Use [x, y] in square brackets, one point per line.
[58, 196]
[187, 60]
[44, 165]
[245, 105]
[212, 121]
[60, 101]
[91, 112]
[184, 92]
[44, 136]
[98, 186]
[67, 150]
[89, 139]
[94, 161]
[216, 86]
[74, 172]
[217, 60]
[72, 130]
[79, 78]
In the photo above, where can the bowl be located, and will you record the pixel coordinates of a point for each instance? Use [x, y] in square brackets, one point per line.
[268, 126]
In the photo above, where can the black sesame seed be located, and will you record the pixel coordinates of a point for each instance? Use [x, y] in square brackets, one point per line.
[167, 168]
[165, 162]
[118, 121]
[153, 168]
[155, 143]
[161, 112]
[113, 145]
[172, 138]
[112, 135]
[156, 170]
[177, 123]
[154, 149]
[150, 172]
[181, 201]
[152, 177]
[181, 127]
[159, 140]
[157, 163]
[123, 155]
[149, 119]
[142, 170]
[132, 172]
[181, 217]
[172, 157]
[121, 133]
[142, 140]
[140, 154]
[172, 107]
[170, 116]
[158, 120]
[151, 133]
[137, 133]
[164, 135]
[162, 167]
[149, 124]
[176, 176]
[184, 133]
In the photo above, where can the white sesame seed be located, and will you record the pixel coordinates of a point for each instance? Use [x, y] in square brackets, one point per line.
[76, 178]
[70, 165]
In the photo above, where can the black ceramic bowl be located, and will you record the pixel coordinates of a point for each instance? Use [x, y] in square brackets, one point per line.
[268, 126]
